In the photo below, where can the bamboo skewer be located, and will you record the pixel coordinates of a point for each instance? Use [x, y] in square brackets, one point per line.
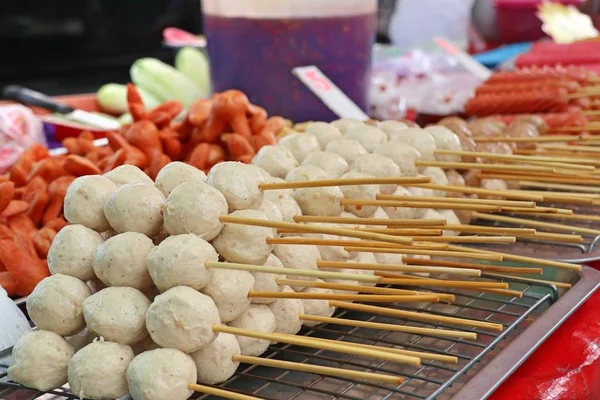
[410, 223]
[310, 342]
[420, 354]
[524, 259]
[478, 166]
[538, 139]
[538, 178]
[418, 316]
[567, 198]
[388, 278]
[507, 194]
[576, 217]
[559, 186]
[341, 243]
[538, 224]
[440, 253]
[587, 149]
[399, 268]
[444, 333]
[481, 267]
[371, 298]
[292, 271]
[515, 157]
[226, 394]
[563, 285]
[446, 297]
[396, 232]
[343, 182]
[466, 200]
[420, 204]
[319, 369]
[315, 229]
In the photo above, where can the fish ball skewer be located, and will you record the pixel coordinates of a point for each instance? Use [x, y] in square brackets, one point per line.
[136, 208]
[348, 149]
[238, 183]
[301, 145]
[276, 160]
[72, 251]
[324, 133]
[229, 291]
[287, 313]
[85, 199]
[403, 154]
[379, 166]
[127, 175]
[214, 363]
[176, 173]
[333, 163]
[257, 317]
[267, 282]
[369, 136]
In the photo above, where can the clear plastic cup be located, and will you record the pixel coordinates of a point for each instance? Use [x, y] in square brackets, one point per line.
[254, 45]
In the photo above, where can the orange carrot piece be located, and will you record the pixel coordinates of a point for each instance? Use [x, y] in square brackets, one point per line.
[38, 152]
[199, 111]
[15, 207]
[237, 145]
[38, 204]
[54, 208]
[6, 233]
[7, 192]
[25, 242]
[56, 224]
[135, 103]
[27, 270]
[49, 169]
[265, 138]
[246, 158]
[60, 185]
[21, 222]
[114, 161]
[199, 155]
[34, 185]
[42, 241]
[170, 142]
[8, 283]
[157, 164]
[163, 114]
[18, 175]
[72, 146]
[79, 166]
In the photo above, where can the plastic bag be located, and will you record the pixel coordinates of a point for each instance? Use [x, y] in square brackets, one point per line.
[19, 129]
[13, 323]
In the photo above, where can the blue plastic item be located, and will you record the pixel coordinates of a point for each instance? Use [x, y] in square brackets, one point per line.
[497, 56]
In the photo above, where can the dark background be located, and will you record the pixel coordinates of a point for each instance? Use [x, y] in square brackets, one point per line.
[74, 46]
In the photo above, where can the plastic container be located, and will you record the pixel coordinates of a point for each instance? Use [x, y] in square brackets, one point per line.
[518, 21]
[253, 46]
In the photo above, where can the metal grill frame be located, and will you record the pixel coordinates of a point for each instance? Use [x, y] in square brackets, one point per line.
[475, 377]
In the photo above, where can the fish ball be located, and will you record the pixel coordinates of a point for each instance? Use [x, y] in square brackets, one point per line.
[301, 145]
[229, 290]
[244, 244]
[333, 163]
[239, 183]
[359, 192]
[40, 360]
[176, 173]
[56, 304]
[271, 211]
[438, 177]
[127, 175]
[267, 282]
[257, 317]
[445, 139]
[287, 313]
[98, 370]
[345, 124]
[324, 133]
[122, 260]
[117, 314]
[301, 257]
[403, 154]
[195, 207]
[319, 308]
[369, 136]
[161, 374]
[179, 261]
[348, 149]
[418, 138]
[214, 362]
[400, 212]
[276, 160]
[379, 166]
[72, 251]
[182, 318]
[85, 199]
[136, 208]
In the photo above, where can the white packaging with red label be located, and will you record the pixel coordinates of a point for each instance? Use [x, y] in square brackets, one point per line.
[329, 93]
[19, 129]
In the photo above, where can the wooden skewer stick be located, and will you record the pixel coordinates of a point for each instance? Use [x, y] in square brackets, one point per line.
[292, 271]
[440, 253]
[398, 232]
[585, 128]
[399, 268]
[466, 200]
[563, 285]
[479, 166]
[567, 198]
[572, 189]
[587, 149]
[310, 342]
[502, 292]
[419, 204]
[315, 229]
[538, 224]
[420, 354]
[343, 182]
[549, 179]
[226, 394]
[318, 369]
[538, 139]
[576, 217]
[440, 283]
[409, 223]
[466, 239]
[487, 229]
[507, 194]
[371, 298]
[391, 327]
[481, 267]
[449, 298]
[418, 316]
[494, 156]
[539, 210]
[558, 153]
[523, 259]
[341, 243]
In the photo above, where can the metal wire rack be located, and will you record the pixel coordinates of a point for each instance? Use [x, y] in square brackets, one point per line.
[433, 380]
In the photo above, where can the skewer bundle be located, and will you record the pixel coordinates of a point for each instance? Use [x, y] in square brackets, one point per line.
[170, 237]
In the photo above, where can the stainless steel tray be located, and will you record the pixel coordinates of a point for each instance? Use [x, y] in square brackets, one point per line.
[483, 363]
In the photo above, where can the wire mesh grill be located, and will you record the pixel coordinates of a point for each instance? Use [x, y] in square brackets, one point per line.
[433, 380]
